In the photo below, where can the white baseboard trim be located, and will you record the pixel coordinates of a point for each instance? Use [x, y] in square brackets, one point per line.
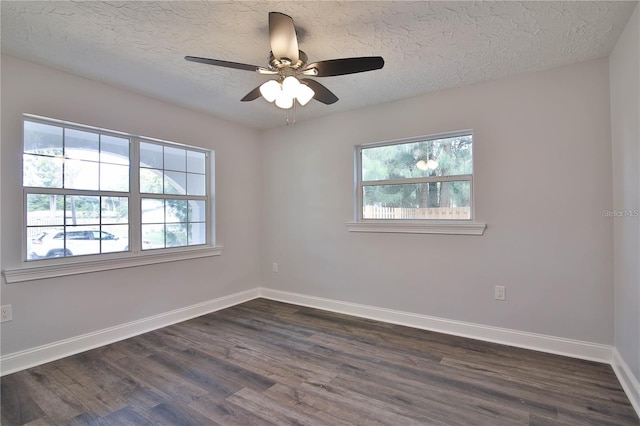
[539, 342]
[629, 382]
[17, 361]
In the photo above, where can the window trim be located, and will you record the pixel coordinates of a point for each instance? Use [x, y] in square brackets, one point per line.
[412, 226]
[57, 267]
[95, 263]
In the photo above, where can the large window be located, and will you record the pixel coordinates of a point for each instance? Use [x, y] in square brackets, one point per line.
[427, 178]
[89, 191]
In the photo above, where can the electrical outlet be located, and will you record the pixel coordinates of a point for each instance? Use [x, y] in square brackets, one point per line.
[7, 314]
[275, 267]
[500, 293]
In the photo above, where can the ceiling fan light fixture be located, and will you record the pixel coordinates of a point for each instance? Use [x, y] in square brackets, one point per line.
[430, 164]
[304, 94]
[288, 62]
[270, 90]
[290, 86]
[284, 101]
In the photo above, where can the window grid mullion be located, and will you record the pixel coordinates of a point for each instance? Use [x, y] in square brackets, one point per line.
[429, 179]
[135, 203]
[75, 192]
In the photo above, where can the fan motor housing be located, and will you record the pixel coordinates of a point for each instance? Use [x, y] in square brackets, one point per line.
[282, 63]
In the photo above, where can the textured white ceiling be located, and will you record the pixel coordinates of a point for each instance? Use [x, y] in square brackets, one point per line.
[427, 46]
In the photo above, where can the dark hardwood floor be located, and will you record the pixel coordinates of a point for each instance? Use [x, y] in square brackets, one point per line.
[265, 362]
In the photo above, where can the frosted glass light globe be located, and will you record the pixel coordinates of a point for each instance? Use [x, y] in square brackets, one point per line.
[290, 86]
[304, 94]
[284, 101]
[270, 90]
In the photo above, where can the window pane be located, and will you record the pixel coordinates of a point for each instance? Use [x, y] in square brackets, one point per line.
[41, 172]
[197, 233]
[82, 210]
[176, 234]
[175, 159]
[151, 181]
[80, 174]
[40, 243]
[437, 200]
[150, 155]
[153, 236]
[176, 211]
[42, 139]
[197, 211]
[152, 210]
[114, 238]
[114, 177]
[45, 209]
[43, 212]
[175, 183]
[115, 209]
[196, 162]
[439, 157]
[195, 184]
[81, 145]
[79, 240]
[114, 150]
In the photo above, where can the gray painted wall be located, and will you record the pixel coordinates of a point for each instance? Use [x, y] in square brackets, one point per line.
[624, 66]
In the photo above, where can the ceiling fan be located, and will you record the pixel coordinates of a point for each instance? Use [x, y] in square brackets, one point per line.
[288, 64]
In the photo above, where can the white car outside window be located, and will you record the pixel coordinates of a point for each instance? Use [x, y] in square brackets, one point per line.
[75, 243]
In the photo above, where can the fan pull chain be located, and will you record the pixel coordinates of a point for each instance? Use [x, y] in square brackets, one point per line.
[291, 122]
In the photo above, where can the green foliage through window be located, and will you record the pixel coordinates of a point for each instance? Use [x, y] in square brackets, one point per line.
[405, 180]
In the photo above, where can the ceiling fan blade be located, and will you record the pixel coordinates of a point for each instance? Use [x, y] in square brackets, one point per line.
[323, 94]
[282, 37]
[344, 66]
[252, 95]
[219, 63]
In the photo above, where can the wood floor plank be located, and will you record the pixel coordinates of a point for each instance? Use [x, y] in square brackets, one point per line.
[334, 414]
[174, 413]
[227, 413]
[54, 400]
[277, 351]
[157, 377]
[434, 403]
[371, 409]
[273, 410]
[77, 381]
[84, 419]
[270, 363]
[129, 415]
[42, 421]
[202, 374]
[18, 406]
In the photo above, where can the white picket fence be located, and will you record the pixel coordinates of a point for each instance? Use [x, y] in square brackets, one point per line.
[442, 213]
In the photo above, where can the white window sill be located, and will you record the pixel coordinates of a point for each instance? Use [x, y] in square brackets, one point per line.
[418, 227]
[37, 270]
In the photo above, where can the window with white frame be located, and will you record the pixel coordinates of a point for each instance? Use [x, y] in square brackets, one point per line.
[90, 191]
[426, 178]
